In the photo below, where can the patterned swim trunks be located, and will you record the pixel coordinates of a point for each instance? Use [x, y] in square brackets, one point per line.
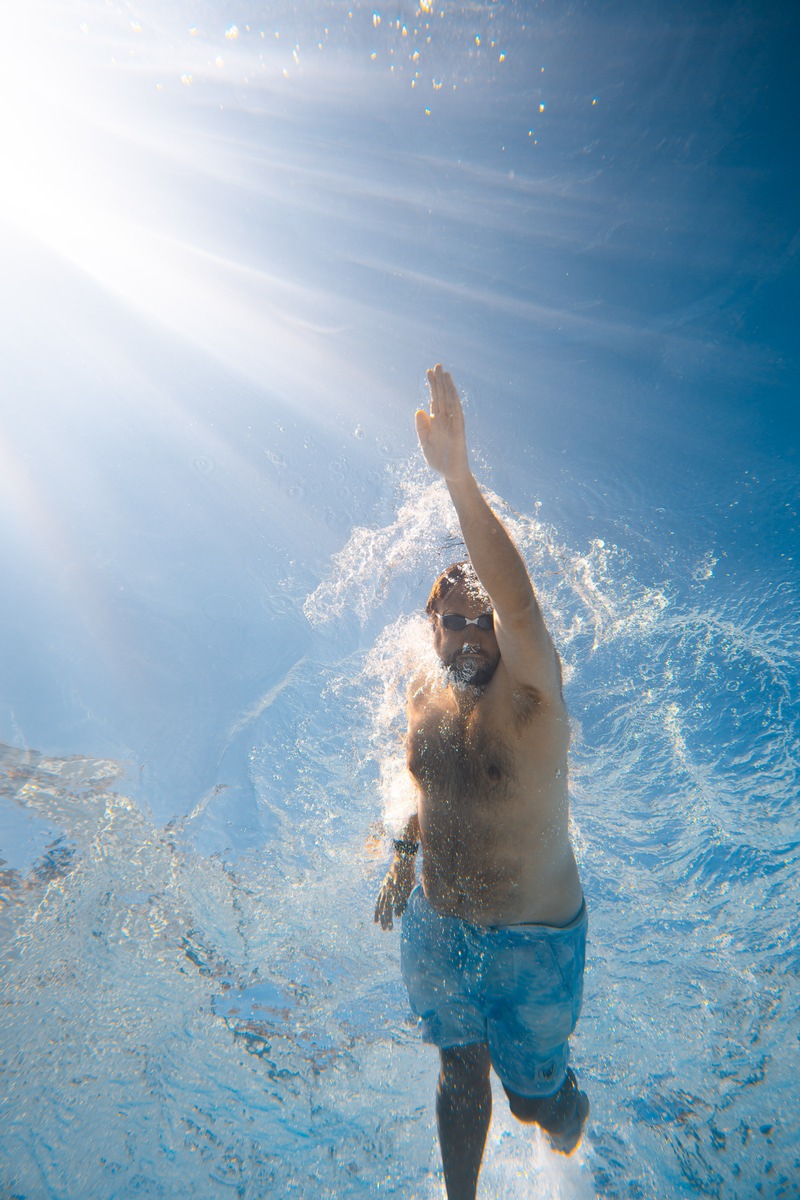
[517, 987]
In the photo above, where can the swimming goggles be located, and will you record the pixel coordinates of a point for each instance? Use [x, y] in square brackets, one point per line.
[455, 622]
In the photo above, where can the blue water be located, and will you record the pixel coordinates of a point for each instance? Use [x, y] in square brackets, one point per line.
[232, 241]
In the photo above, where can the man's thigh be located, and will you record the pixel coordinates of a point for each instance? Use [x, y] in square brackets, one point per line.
[435, 960]
[538, 997]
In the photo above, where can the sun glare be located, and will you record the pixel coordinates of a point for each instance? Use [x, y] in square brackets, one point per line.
[91, 161]
[43, 137]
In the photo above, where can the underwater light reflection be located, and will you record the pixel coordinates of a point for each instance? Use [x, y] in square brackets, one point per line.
[216, 337]
[93, 177]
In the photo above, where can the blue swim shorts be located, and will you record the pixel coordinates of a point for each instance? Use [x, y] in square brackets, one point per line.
[517, 987]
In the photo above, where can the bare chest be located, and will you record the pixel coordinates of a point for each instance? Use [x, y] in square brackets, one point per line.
[486, 757]
[451, 756]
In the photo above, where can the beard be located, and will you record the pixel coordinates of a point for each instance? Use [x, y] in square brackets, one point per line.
[471, 668]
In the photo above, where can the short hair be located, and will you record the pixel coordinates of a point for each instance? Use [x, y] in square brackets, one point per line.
[460, 574]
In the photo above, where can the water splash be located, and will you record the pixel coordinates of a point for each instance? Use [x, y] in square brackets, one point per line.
[587, 596]
[213, 1015]
[239, 1023]
[363, 572]
[683, 697]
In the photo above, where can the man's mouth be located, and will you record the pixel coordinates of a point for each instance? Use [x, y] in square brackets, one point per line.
[466, 659]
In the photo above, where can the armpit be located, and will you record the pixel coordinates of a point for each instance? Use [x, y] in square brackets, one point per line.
[525, 702]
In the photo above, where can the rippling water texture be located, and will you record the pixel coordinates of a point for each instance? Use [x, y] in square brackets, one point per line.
[232, 241]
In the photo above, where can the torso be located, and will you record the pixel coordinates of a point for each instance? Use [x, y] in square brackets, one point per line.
[491, 773]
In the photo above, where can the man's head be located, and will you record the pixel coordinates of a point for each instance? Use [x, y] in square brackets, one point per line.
[470, 654]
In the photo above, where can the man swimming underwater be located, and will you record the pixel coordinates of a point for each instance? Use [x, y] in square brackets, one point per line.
[493, 941]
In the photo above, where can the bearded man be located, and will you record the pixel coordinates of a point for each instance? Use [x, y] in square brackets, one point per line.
[493, 940]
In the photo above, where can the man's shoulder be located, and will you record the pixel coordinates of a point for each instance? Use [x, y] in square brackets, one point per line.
[530, 656]
[420, 688]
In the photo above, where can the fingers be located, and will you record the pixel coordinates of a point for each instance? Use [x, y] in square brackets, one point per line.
[437, 390]
[452, 401]
[444, 396]
[423, 424]
[390, 904]
[383, 909]
[433, 387]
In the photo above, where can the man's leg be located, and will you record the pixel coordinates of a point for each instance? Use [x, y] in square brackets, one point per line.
[562, 1116]
[463, 1112]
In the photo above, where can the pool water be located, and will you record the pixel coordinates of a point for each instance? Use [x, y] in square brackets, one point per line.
[234, 242]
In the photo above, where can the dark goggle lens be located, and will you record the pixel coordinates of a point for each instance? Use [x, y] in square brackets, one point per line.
[455, 622]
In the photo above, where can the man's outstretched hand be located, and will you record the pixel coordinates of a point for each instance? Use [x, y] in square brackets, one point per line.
[441, 433]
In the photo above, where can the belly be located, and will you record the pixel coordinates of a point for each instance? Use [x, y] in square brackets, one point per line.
[496, 868]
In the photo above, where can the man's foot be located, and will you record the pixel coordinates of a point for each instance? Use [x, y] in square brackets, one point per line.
[568, 1138]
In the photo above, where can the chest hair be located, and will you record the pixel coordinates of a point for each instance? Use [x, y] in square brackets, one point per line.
[454, 758]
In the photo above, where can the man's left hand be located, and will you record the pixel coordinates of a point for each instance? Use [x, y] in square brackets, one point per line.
[395, 890]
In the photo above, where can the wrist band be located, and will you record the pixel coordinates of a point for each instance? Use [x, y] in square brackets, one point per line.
[404, 847]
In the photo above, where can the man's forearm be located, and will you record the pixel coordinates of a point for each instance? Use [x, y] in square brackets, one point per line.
[494, 556]
[406, 846]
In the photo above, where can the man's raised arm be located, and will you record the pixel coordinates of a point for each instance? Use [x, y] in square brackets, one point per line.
[525, 644]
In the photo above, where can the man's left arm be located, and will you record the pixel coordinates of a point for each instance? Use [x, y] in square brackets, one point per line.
[523, 638]
[401, 876]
